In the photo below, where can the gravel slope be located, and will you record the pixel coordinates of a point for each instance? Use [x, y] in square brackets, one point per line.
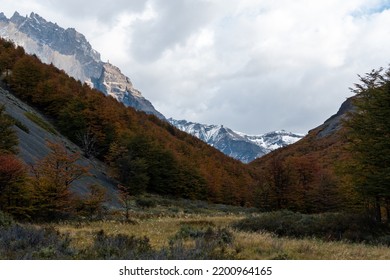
[32, 147]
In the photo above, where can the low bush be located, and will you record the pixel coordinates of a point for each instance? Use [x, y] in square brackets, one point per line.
[207, 244]
[118, 247]
[27, 243]
[210, 245]
[146, 202]
[327, 226]
[5, 220]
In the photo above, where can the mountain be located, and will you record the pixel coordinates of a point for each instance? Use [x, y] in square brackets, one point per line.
[325, 142]
[310, 175]
[334, 124]
[70, 51]
[240, 146]
[116, 84]
[148, 153]
[142, 152]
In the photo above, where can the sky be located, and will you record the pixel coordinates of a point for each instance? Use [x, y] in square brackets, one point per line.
[251, 65]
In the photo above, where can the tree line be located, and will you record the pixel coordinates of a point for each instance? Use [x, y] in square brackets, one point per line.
[144, 153]
[347, 171]
[42, 191]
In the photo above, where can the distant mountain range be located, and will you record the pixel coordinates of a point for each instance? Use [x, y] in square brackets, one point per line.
[70, 51]
[245, 148]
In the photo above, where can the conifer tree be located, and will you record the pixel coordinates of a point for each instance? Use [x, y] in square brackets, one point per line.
[369, 140]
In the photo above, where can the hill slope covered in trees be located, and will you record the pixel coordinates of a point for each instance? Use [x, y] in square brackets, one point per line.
[144, 153]
[342, 165]
[308, 176]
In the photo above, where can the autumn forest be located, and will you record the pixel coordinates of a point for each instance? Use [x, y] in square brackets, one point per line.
[343, 171]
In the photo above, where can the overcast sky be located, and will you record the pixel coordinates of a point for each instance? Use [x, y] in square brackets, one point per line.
[251, 65]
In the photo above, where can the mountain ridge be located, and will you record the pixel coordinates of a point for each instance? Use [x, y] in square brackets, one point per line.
[70, 51]
[238, 145]
[143, 153]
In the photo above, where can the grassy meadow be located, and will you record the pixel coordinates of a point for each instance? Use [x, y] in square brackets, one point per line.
[160, 228]
[245, 245]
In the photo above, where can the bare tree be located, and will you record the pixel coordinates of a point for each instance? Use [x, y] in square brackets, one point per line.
[87, 140]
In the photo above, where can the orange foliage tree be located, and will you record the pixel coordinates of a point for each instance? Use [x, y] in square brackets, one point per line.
[51, 182]
[12, 180]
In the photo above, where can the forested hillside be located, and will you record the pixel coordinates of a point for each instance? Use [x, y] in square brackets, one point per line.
[144, 153]
[342, 165]
[308, 176]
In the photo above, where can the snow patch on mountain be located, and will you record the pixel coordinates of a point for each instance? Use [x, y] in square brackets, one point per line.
[238, 145]
[70, 51]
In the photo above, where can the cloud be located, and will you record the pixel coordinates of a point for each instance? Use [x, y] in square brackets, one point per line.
[274, 65]
[174, 22]
[252, 65]
[104, 11]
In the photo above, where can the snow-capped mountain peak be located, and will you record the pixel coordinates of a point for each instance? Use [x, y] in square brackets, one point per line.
[235, 144]
[70, 51]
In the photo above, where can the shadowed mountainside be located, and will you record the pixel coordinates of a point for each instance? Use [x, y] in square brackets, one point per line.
[33, 146]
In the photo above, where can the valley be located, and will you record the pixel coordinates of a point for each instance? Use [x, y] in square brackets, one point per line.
[89, 169]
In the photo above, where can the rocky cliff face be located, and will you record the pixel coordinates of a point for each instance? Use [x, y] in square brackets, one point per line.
[245, 148]
[70, 51]
[65, 48]
[334, 123]
[117, 85]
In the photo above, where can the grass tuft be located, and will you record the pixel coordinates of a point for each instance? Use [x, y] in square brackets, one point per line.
[40, 122]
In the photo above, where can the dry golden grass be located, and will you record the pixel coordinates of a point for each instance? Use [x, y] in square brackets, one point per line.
[267, 246]
[246, 245]
[158, 230]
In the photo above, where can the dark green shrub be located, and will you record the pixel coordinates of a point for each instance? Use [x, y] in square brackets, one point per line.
[203, 229]
[208, 244]
[187, 231]
[5, 220]
[201, 250]
[118, 247]
[327, 226]
[27, 242]
[145, 202]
